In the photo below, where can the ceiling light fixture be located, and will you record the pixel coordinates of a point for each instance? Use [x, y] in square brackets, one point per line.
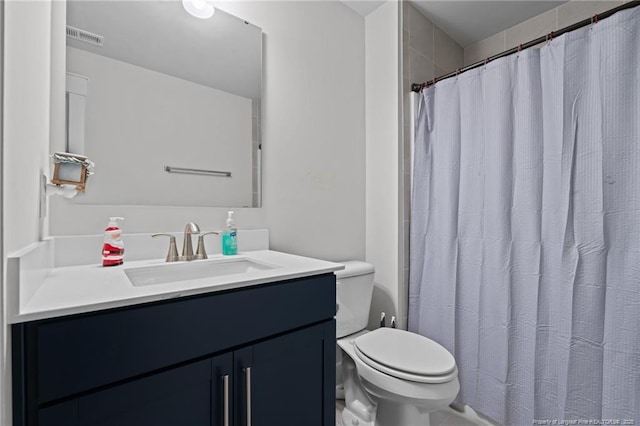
[202, 9]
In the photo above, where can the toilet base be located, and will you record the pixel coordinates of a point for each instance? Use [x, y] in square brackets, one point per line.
[350, 419]
[390, 413]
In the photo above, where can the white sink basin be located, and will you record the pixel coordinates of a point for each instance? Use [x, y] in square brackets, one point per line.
[195, 270]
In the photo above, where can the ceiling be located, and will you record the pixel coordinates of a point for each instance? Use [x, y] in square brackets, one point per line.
[363, 7]
[468, 22]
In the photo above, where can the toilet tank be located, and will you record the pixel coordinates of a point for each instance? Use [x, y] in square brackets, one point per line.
[354, 288]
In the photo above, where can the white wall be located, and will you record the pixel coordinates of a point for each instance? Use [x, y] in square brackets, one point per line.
[26, 120]
[57, 111]
[138, 121]
[26, 68]
[3, 328]
[382, 157]
[313, 135]
[313, 139]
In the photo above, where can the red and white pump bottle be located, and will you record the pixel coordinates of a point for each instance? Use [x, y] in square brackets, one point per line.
[113, 248]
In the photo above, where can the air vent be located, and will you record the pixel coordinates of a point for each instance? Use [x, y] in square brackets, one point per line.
[86, 36]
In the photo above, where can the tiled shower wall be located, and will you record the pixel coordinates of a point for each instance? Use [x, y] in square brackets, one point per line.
[538, 26]
[427, 52]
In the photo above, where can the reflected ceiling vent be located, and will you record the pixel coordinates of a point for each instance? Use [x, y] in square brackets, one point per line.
[86, 36]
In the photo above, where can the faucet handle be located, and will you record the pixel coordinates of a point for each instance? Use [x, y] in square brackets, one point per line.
[172, 255]
[201, 253]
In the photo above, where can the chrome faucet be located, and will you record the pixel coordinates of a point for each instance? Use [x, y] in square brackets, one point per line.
[187, 246]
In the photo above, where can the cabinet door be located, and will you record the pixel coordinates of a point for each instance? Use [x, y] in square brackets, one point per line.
[287, 380]
[65, 413]
[180, 396]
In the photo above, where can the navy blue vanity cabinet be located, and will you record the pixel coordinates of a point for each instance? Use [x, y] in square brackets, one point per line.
[263, 355]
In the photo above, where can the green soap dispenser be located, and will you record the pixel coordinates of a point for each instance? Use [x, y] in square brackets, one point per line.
[230, 237]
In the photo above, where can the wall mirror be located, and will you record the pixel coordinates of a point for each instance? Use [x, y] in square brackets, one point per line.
[167, 105]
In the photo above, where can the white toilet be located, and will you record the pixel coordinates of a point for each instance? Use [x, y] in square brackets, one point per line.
[389, 377]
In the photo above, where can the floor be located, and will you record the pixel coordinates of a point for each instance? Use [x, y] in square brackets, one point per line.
[447, 417]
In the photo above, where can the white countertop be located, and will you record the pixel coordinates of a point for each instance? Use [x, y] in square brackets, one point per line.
[88, 288]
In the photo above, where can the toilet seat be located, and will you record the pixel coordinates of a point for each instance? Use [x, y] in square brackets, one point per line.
[391, 388]
[406, 356]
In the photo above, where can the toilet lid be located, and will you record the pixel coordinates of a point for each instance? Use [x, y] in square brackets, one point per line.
[401, 351]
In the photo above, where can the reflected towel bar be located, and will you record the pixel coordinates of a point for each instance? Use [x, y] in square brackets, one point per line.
[170, 169]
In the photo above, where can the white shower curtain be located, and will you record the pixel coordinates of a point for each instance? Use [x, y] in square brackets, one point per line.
[525, 227]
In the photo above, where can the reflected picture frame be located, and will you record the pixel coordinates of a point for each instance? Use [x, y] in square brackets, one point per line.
[70, 169]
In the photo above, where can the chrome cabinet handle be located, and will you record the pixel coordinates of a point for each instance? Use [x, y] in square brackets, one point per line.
[225, 397]
[247, 372]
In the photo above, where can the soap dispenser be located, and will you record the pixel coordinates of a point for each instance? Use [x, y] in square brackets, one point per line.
[113, 247]
[229, 237]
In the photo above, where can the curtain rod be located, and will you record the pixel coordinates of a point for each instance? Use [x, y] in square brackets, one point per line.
[417, 87]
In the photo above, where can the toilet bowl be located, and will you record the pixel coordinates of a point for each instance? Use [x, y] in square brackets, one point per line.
[393, 390]
[390, 377]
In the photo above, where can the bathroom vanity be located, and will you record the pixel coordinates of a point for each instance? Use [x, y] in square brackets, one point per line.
[258, 354]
